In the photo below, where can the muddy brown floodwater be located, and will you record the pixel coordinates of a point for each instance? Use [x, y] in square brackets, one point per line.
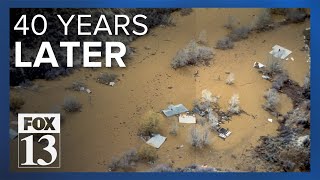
[107, 125]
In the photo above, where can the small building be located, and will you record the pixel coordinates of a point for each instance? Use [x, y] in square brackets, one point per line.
[188, 119]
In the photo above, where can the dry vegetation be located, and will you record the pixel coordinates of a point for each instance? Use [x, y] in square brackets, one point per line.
[106, 78]
[272, 100]
[71, 104]
[16, 103]
[77, 86]
[147, 153]
[128, 160]
[190, 168]
[199, 138]
[149, 124]
[185, 11]
[234, 104]
[225, 43]
[290, 150]
[230, 79]
[192, 54]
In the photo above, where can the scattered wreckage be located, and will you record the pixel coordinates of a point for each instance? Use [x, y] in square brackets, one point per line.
[184, 116]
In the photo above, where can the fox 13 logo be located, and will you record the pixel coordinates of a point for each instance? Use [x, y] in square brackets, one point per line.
[39, 140]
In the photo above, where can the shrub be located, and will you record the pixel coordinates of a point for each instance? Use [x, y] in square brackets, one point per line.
[274, 66]
[201, 120]
[234, 104]
[16, 103]
[199, 139]
[272, 99]
[185, 11]
[224, 43]
[230, 79]
[174, 129]
[306, 83]
[295, 15]
[299, 116]
[149, 124]
[206, 95]
[279, 80]
[202, 39]
[278, 11]
[162, 168]
[231, 23]
[262, 22]
[190, 168]
[125, 161]
[192, 54]
[106, 78]
[288, 166]
[239, 33]
[306, 87]
[167, 20]
[213, 120]
[77, 86]
[198, 168]
[71, 104]
[147, 153]
[26, 84]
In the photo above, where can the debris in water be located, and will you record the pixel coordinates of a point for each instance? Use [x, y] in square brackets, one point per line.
[265, 77]
[88, 91]
[147, 47]
[258, 65]
[112, 83]
[224, 133]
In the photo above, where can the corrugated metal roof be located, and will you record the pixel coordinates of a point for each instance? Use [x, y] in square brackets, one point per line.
[174, 110]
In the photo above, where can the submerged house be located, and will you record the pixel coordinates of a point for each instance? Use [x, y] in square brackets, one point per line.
[156, 141]
[174, 110]
[280, 52]
[187, 119]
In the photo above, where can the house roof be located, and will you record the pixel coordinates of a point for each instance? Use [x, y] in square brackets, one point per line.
[174, 110]
[280, 52]
[156, 141]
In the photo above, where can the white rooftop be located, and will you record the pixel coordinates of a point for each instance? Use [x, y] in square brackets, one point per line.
[156, 141]
[280, 52]
[188, 119]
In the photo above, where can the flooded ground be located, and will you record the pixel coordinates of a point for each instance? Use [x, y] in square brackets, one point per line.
[108, 122]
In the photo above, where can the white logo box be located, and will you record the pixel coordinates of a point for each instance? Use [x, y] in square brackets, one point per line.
[55, 123]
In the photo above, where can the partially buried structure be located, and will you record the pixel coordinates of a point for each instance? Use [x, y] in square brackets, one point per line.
[174, 110]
